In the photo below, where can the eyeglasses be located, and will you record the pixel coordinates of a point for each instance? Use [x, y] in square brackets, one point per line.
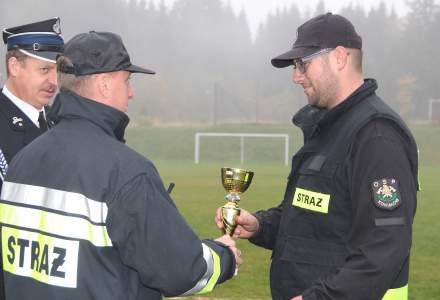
[301, 64]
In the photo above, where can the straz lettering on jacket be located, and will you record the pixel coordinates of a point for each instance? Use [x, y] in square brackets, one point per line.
[311, 200]
[42, 229]
[41, 257]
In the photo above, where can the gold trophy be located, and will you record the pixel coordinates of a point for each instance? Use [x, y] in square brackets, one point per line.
[235, 181]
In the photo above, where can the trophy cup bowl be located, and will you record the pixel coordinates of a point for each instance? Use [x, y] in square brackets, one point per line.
[235, 181]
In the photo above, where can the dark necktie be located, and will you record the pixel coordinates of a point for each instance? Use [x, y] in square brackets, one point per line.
[42, 121]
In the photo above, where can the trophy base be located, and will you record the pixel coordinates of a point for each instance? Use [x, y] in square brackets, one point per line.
[229, 212]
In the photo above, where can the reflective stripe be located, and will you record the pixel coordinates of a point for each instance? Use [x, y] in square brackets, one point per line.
[68, 202]
[214, 278]
[208, 257]
[66, 226]
[397, 294]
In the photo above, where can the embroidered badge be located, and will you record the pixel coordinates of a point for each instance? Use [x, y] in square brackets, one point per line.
[386, 193]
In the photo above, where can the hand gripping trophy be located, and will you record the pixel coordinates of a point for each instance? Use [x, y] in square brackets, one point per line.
[235, 181]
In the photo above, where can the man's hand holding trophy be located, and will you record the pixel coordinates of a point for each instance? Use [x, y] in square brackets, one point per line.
[230, 218]
[235, 181]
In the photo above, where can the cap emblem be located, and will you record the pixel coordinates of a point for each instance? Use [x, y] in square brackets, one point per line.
[57, 27]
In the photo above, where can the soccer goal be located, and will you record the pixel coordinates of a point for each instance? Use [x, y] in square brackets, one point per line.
[241, 137]
[432, 118]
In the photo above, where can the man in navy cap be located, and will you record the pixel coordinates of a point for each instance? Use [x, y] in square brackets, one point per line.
[30, 85]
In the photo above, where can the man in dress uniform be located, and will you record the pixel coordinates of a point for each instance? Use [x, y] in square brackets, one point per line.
[30, 85]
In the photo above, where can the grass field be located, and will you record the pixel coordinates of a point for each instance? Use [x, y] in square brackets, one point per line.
[198, 193]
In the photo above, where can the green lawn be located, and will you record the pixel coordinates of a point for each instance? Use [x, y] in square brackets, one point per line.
[199, 192]
[425, 262]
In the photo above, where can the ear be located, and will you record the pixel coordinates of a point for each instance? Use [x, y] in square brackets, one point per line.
[341, 56]
[104, 83]
[14, 66]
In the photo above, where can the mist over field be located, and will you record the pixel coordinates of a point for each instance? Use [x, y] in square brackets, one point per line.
[211, 71]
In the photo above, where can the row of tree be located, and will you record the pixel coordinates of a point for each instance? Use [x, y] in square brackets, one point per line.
[210, 70]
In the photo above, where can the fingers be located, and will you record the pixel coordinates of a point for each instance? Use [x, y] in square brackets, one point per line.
[230, 242]
[218, 218]
[243, 217]
[247, 224]
[237, 232]
[237, 255]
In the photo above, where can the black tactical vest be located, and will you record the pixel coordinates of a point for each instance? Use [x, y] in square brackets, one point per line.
[318, 238]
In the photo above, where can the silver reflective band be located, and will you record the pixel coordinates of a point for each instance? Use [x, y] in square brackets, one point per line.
[207, 256]
[55, 224]
[68, 202]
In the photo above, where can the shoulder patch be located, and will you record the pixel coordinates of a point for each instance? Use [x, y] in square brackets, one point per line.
[386, 193]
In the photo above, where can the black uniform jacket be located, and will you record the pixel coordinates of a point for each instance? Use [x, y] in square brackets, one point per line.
[343, 230]
[86, 217]
[16, 129]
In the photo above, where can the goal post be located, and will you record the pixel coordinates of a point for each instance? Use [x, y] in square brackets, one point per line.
[242, 137]
[430, 109]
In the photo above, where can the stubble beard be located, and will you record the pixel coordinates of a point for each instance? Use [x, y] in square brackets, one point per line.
[325, 89]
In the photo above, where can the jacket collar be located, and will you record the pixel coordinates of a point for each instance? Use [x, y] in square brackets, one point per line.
[68, 105]
[312, 119]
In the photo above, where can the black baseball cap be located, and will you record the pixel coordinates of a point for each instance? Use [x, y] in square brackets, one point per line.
[41, 40]
[324, 31]
[98, 52]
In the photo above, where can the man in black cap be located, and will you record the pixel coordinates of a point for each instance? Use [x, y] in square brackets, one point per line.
[343, 229]
[30, 85]
[86, 217]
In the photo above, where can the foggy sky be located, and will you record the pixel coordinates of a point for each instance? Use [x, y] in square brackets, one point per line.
[258, 10]
[202, 78]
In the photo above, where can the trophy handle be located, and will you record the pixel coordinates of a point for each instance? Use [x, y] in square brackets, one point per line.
[229, 212]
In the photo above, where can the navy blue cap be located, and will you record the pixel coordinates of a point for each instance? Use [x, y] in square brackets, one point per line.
[324, 31]
[40, 40]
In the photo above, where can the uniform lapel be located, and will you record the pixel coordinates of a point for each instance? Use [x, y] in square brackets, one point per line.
[19, 123]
